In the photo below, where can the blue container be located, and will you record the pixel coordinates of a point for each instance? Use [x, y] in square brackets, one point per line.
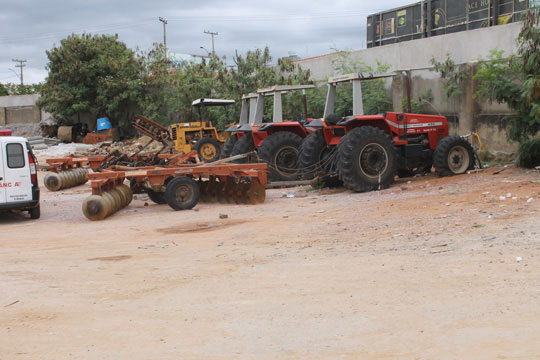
[103, 124]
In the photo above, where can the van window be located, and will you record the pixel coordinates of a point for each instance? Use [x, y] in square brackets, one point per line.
[15, 156]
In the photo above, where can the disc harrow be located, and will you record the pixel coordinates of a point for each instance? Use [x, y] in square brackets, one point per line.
[182, 187]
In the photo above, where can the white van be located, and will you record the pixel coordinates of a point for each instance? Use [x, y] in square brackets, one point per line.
[18, 178]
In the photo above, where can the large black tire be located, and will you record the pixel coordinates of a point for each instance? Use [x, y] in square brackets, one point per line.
[35, 213]
[317, 159]
[280, 151]
[182, 193]
[227, 148]
[208, 149]
[311, 155]
[156, 196]
[244, 145]
[453, 155]
[367, 159]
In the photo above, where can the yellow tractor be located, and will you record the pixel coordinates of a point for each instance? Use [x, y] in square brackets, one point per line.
[200, 135]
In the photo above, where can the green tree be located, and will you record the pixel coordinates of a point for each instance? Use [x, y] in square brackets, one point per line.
[94, 74]
[374, 96]
[515, 80]
[170, 89]
[3, 90]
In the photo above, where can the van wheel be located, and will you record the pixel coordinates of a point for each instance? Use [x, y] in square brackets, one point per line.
[35, 213]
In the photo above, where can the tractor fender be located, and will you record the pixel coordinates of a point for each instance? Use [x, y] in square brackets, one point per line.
[244, 128]
[354, 121]
[232, 128]
[293, 126]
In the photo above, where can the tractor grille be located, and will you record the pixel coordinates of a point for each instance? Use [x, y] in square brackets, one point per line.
[173, 133]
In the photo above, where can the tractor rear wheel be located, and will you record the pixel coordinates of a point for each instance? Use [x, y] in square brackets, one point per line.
[280, 151]
[182, 193]
[367, 159]
[453, 156]
[244, 145]
[227, 148]
[208, 149]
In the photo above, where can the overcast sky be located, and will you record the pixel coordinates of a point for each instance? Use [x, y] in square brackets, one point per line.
[306, 28]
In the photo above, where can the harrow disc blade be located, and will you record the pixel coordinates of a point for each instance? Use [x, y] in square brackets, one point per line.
[203, 188]
[230, 192]
[220, 193]
[242, 197]
[212, 189]
[256, 193]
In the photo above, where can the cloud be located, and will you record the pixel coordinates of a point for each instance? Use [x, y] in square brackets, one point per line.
[303, 27]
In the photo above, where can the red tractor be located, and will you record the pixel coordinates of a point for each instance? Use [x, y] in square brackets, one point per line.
[277, 142]
[366, 152]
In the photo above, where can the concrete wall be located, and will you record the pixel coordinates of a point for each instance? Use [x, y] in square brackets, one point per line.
[464, 47]
[20, 109]
[465, 114]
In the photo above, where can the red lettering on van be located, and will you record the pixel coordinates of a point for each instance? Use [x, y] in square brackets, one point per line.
[5, 185]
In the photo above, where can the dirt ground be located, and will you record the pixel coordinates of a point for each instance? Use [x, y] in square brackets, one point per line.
[438, 268]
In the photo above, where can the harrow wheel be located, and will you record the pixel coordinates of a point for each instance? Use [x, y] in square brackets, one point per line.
[156, 196]
[182, 193]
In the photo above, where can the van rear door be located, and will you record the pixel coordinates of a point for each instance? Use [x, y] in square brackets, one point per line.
[17, 180]
[2, 178]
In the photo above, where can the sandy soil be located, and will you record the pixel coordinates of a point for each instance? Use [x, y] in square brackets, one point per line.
[439, 268]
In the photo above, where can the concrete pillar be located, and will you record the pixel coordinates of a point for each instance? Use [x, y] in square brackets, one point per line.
[398, 92]
[2, 116]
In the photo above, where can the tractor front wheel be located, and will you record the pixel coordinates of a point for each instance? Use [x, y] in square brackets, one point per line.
[280, 151]
[367, 159]
[453, 156]
[182, 193]
[208, 149]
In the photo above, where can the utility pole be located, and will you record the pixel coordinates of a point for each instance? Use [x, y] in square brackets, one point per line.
[164, 34]
[21, 65]
[212, 34]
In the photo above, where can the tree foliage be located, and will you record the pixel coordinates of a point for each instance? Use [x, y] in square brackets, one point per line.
[453, 76]
[94, 74]
[516, 80]
[374, 95]
[170, 89]
[18, 89]
[3, 90]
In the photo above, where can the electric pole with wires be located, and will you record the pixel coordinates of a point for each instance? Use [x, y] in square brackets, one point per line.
[21, 65]
[164, 34]
[212, 34]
